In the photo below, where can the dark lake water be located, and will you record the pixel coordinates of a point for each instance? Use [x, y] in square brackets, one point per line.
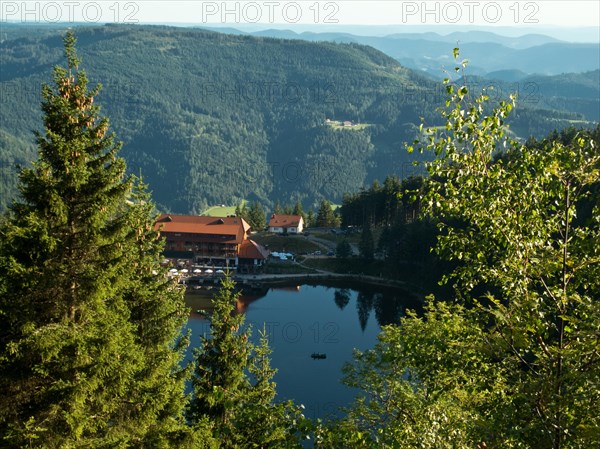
[307, 319]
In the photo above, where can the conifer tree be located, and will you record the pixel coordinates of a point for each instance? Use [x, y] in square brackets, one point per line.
[310, 219]
[88, 323]
[219, 379]
[366, 245]
[343, 249]
[325, 216]
[158, 312]
[260, 421]
[277, 209]
[233, 384]
[298, 210]
[241, 210]
[257, 217]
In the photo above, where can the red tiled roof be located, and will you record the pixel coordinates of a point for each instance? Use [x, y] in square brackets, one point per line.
[235, 227]
[284, 221]
[252, 250]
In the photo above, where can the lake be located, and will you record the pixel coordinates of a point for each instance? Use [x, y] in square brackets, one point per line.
[306, 319]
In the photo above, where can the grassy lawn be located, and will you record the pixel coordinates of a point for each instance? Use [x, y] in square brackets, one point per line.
[296, 244]
[218, 211]
[327, 236]
[337, 238]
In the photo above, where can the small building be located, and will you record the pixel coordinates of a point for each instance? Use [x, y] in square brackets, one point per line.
[286, 224]
[252, 256]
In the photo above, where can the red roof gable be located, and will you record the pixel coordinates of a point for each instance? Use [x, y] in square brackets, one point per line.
[284, 221]
[235, 227]
[252, 250]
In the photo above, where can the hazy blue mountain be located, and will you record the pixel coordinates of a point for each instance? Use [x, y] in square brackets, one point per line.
[506, 75]
[587, 34]
[575, 92]
[430, 52]
[463, 37]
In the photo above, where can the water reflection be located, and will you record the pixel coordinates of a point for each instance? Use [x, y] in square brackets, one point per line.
[341, 297]
[388, 305]
[247, 298]
[301, 321]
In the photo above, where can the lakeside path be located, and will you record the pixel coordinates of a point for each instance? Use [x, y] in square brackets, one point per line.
[330, 245]
[327, 245]
[321, 275]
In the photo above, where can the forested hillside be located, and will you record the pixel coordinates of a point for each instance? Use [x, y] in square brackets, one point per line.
[209, 118]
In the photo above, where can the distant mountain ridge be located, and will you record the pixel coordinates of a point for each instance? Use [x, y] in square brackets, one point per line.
[210, 118]
[490, 52]
[520, 42]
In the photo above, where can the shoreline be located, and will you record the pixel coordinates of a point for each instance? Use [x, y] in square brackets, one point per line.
[252, 282]
[312, 278]
[256, 286]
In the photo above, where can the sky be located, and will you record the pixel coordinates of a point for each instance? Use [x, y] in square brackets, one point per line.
[542, 15]
[369, 12]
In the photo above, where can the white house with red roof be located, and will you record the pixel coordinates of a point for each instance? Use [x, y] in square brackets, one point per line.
[286, 224]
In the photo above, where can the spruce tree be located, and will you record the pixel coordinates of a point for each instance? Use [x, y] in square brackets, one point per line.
[158, 312]
[257, 217]
[241, 210]
[310, 219]
[298, 210]
[325, 216]
[343, 249]
[366, 245]
[88, 322]
[233, 384]
[277, 209]
[219, 379]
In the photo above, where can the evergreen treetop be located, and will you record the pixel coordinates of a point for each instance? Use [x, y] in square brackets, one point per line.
[89, 323]
[233, 383]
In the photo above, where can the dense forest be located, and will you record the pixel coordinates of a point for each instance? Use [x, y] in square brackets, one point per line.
[209, 118]
[393, 212]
